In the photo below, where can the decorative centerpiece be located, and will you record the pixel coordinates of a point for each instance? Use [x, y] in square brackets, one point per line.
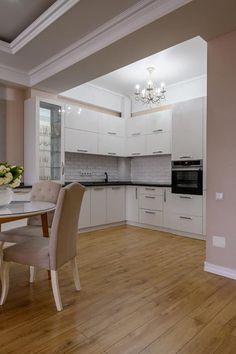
[10, 177]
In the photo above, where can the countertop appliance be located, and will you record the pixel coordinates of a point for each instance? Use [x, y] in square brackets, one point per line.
[187, 177]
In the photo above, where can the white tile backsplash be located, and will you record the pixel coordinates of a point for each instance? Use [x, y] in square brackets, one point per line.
[85, 167]
[151, 169]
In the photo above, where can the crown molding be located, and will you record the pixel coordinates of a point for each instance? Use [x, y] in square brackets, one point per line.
[10, 74]
[55, 11]
[137, 16]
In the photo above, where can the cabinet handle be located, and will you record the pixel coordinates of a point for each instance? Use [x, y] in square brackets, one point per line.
[165, 196]
[99, 188]
[150, 212]
[111, 133]
[136, 134]
[62, 168]
[185, 157]
[115, 188]
[149, 197]
[158, 152]
[157, 130]
[111, 153]
[136, 153]
[149, 189]
[82, 150]
[136, 193]
[186, 217]
[185, 197]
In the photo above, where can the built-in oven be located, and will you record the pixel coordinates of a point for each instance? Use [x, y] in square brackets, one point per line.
[187, 177]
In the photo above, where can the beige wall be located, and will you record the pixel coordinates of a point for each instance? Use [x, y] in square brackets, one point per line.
[221, 149]
[14, 98]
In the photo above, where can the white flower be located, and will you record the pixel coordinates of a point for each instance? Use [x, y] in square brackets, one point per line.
[8, 178]
[1, 181]
[15, 183]
[3, 170]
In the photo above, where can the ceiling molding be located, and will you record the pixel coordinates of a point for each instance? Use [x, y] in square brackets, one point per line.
[55, 11]
[13, 75]
[137, 16]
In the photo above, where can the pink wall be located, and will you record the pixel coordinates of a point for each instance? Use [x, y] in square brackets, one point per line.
[221, 149]
[14, 125]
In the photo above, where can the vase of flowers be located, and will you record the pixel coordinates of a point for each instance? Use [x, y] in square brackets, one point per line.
[10, 177]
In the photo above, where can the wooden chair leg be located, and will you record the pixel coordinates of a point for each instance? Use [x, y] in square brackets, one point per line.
[5, 282]
[75, 274]
[1, 258]
[56, 290]
[32, 274]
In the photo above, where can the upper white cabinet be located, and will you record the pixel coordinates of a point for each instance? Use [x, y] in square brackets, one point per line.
[81, 118]
[111, 125]
[159, 122]
[111, 145]
[136, 126]
[81, 141]
[187, 130]
[115, 204]
[159, 143]
[136, 145]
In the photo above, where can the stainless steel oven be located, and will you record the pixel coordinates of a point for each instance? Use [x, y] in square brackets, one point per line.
[187, 177]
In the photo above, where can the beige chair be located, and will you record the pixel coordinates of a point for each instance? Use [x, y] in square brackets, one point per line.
[45, 191]
[50, 253]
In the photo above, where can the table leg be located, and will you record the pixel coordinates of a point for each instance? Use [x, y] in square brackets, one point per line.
[44, 220]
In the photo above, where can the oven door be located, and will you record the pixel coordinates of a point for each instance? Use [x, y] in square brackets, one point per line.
[187, 181]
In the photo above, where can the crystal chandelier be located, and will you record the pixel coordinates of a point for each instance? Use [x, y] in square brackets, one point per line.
[150, 94]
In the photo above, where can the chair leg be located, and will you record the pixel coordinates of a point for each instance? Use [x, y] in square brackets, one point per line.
[5, 282]
[75, 274]
[32, 274]
[1, 258]
[56, 290]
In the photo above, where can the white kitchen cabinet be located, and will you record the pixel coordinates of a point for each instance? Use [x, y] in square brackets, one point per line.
[151, 202]
[111, 125]
[81, 141]
[151, 190]
[159, 122]
[136, 146]
[98, 206]
[111, 145]
[115, 204]
[81, 118]
[136, 126]
[187, 130]
[185, 223]
[151, 217]
[159, 143]
[85, 211]
[132, 204]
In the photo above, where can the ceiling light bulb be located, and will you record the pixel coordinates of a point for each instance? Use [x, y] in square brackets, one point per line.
[137, 87]
[163, 85]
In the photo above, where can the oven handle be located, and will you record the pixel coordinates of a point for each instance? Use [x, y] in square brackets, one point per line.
[187, 169]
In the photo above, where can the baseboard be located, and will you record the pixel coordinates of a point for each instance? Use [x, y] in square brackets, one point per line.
[219, 270]
[170, 231]
[101, 227]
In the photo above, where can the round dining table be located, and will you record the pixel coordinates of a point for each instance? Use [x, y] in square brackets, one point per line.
[18, 210]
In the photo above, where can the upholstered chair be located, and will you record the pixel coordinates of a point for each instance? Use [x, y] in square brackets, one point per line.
[50, 253]
[45, 191]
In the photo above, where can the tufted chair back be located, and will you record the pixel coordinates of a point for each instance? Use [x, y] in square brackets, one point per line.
[45, 191]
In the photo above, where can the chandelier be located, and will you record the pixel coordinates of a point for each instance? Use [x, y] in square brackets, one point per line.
[150, 94]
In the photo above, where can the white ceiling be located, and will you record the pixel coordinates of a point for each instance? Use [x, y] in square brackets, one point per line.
[179, 63]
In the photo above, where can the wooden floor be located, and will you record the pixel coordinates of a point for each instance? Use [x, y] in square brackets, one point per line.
[142, 291]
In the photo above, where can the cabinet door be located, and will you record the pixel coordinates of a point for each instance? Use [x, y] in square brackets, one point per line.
[111, 145]
[187, 127]
[112, 125]
[115, 204]
[81, 141]
[85, 212]
[159, 143]
[158, 122]
[136, 126]
[98, 206]
[136, 146]
[132, 210]
[81, 118]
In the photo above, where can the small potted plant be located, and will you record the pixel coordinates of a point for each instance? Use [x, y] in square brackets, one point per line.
[10, 177]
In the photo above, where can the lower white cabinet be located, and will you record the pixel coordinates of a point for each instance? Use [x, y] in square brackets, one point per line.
[132, 207]
[151, 217]
[184, 222]
[81, 141]
[150, 201]
[85, 211]
[115, 204]
[98, 206]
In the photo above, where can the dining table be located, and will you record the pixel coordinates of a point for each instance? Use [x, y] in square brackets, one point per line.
[18, 210]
